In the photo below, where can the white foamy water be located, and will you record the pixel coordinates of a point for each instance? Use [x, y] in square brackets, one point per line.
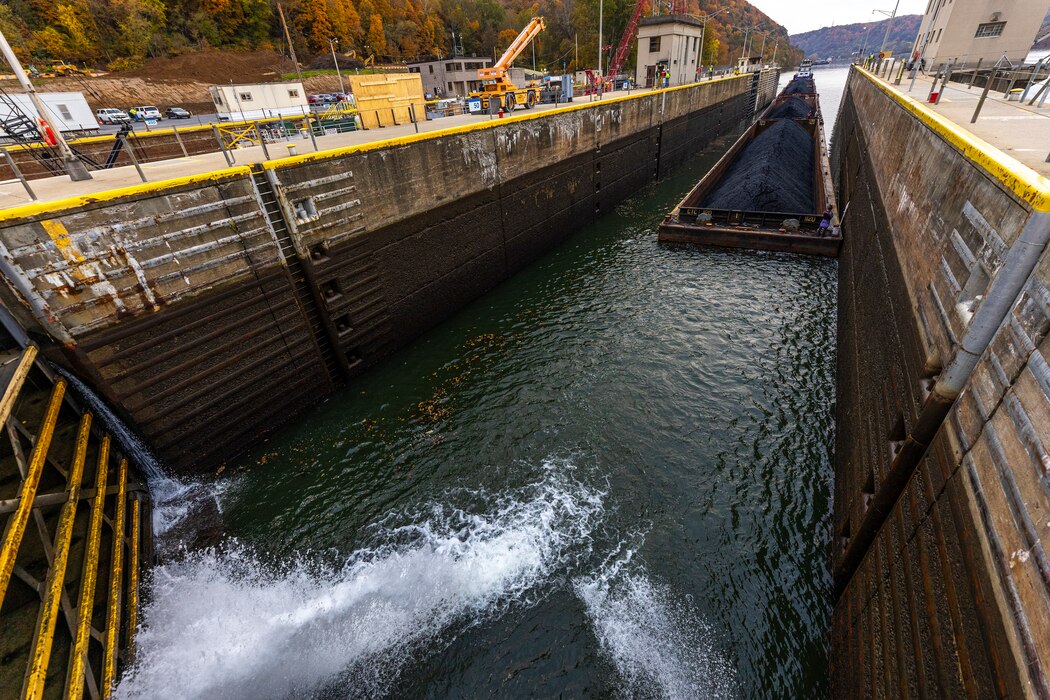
[227, 624]
[660, 647]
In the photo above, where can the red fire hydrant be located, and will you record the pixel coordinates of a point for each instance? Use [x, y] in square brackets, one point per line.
[500, 113]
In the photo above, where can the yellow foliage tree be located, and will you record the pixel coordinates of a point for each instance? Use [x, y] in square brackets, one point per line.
[375, 40]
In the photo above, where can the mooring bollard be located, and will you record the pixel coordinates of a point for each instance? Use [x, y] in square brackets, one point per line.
[18, 174]
[134, 160]
[178, 138]
[973, 77]
[222, 145]
[262, 140]
[984, 96]
[944, 84]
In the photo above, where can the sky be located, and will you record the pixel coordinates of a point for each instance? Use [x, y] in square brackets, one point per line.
[805, 15]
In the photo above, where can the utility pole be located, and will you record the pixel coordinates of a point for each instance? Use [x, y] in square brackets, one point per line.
[889, 25]
[601, 8]
[291, 48]
[76, 170]
[331, 44]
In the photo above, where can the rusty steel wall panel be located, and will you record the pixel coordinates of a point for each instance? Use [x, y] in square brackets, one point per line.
[960, 604]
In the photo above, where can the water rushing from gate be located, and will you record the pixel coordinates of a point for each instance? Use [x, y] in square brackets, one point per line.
[608, 477]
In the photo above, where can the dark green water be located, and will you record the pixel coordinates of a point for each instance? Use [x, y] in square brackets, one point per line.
[610, 476]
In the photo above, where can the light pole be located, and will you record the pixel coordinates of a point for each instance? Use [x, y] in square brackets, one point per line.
[601, 8]
[889, 25]
[703, 32]
[331, 45]
[865, 46]
[74, 167]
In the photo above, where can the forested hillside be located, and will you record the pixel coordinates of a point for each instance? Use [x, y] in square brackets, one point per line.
[123, 34]
[846, 39]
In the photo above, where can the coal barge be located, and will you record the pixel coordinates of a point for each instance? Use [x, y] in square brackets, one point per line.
[772, 190]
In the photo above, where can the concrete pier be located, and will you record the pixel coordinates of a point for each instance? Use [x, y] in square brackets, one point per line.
[941, 499]
[211, 307]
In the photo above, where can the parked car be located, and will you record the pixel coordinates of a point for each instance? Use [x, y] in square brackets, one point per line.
[111, 115]
[147, 112]
[176, 113]
[315, 99]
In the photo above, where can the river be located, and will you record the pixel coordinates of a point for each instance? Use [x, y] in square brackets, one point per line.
[610, 476]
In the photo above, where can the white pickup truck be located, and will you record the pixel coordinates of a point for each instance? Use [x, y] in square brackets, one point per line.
[110, 115]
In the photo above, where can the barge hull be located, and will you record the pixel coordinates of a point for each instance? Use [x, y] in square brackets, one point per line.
[740, 238]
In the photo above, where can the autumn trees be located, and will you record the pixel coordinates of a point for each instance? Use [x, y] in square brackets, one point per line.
[123, 33]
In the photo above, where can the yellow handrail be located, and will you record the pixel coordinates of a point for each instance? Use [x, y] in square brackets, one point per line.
[40, 656]
[7, 402]
[112, 634]
[16, 526]
[133, 580]
[78, 654]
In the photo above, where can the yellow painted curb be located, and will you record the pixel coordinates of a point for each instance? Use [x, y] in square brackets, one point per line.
[56, 206]
[1026, 183]
[469, 128]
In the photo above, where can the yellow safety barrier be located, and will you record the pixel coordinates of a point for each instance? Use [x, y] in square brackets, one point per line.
[40, 656]
[246, 133]
[78, 655]
[16, 526]
[109, 663]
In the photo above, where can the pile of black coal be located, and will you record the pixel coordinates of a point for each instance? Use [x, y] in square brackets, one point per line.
[773, 173]
[799, 86]
[795, 108]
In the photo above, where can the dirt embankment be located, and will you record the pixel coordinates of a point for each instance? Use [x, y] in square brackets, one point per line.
[181, 81]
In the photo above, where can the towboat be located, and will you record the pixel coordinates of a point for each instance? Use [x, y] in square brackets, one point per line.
[772, 189]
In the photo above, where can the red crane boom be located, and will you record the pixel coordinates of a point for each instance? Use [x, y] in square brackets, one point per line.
[625, 43]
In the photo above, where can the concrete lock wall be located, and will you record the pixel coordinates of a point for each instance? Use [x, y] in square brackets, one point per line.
[210, 309]
[940, 517]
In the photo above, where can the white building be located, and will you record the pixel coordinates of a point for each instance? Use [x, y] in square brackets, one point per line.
[68, 111]
[972, 30]
[258, 100]
[458, 77]
[453, 77]
[668, 43]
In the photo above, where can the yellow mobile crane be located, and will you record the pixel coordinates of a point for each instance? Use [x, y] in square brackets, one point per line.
[496, 84]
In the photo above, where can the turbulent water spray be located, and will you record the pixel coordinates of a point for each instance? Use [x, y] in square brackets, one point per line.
[226, 623]
[660, 647]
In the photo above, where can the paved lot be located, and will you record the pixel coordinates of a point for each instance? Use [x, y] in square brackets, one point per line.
[1021, 131]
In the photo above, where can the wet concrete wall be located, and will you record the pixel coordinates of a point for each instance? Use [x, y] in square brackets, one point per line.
[940, 516]
[211, 309]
